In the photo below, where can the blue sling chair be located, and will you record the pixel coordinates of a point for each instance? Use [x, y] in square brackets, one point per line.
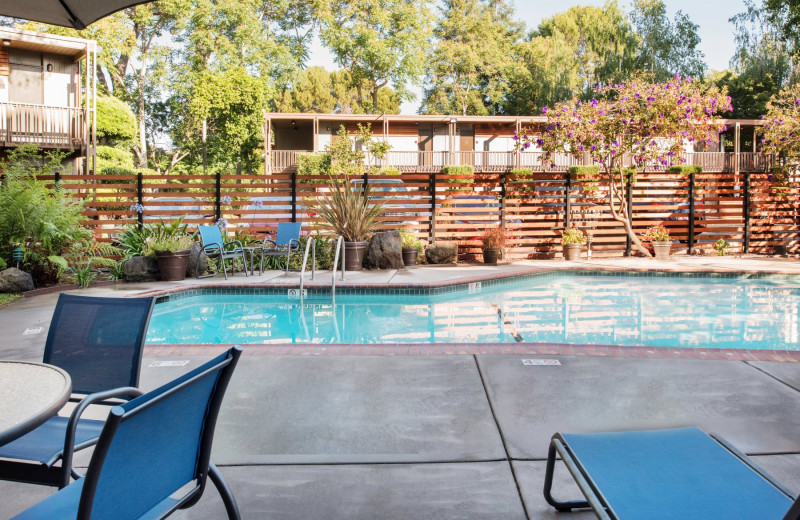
[151, 447]
[287, 241]
[214, 246]
[679, 473]
[98, 342]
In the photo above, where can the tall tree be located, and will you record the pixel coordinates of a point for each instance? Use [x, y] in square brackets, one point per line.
[785, 15]
[667, 47]
[468, 68]
[317, 90]
[379, 42]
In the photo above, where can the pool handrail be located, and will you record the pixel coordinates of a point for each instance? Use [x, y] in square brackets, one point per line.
[309, 243]
[339, 247]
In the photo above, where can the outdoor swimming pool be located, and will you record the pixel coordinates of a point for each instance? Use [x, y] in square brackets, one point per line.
[659, 311]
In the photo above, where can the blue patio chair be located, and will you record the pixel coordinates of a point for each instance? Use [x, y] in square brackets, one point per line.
[287, 240]
[660, 474]
[215, 246]
[153, 455]
[98, 342]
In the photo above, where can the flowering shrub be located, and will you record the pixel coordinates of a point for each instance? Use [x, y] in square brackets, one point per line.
[721, 247]
[572, 235]
[657, 233]
[650, 122]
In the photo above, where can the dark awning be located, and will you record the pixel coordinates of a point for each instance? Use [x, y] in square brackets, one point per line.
[66, 13]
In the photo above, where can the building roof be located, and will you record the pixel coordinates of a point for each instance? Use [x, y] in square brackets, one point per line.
[42, 42]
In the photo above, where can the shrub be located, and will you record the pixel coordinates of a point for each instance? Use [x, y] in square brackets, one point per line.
[466, 172]
[657, 233]
[572, 235]
[686, 169]
[721, 247]
[522, 175]
[388, 170]
[110, 157]
[588, 176]
[313, 165]
[494, 238]
[115, 121]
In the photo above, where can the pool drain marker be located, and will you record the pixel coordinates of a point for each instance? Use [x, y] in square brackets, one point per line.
[32, 331]
[176, 363]
[542, 362]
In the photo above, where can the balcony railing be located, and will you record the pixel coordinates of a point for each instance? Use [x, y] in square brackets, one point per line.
[46, 126]
[283, 161]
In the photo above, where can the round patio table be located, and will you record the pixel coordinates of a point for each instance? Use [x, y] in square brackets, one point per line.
[30, 393]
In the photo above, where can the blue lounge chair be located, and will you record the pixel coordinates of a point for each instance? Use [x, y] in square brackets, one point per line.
[98, 342]
[153, 456]
[214, 246]
[677, 474]
[287, 240]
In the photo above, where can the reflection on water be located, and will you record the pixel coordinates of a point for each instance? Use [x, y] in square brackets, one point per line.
[691, 312]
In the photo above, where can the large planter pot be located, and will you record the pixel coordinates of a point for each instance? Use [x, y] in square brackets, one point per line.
[410, 256]
[661, 249]
[173, 265]
[354, 255]
[572, 252]
[490, 256]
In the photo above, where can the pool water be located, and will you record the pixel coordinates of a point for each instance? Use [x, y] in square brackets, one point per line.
[741, 313]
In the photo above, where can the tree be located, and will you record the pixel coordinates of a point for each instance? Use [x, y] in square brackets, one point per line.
[781, 134]
[379, 42]
[785, 15]
[320, 91]
[643, 120]
[667, 48]
[601, 40]
[468, 68]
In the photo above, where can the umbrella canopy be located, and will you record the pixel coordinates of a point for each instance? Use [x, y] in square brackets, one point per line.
[66, 13]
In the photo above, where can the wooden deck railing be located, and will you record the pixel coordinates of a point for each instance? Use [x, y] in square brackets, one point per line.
[46, 126]
[285, 161]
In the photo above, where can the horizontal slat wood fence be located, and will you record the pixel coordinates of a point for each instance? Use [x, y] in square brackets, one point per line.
[741, 207]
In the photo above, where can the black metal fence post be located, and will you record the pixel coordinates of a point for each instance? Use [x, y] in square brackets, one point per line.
[746, 210]
[57, 180]
[139, 196]
[629, 203]
[567, 202]
[503, 187]
[218, 194]
[294, 196]
[432, 190]
[692, 181]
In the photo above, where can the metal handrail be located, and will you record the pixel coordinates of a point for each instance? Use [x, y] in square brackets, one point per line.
[309, 243]
[339, 247]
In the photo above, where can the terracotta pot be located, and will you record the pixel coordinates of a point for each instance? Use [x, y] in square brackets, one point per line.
[354, 255]
[572, 252]
[173, 265]
[410, 255]
[490, 256]
[661, 249]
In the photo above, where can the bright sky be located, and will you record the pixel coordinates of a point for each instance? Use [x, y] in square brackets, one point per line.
[711, 16]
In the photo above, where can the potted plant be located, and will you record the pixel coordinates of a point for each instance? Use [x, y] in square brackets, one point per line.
[572, 240]
[494, 240]
[658, 235]
[412, 247]
[171, 245]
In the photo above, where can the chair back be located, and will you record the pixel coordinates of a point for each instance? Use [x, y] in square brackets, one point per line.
[287, 231]
[98, 341]
[154, 445]
[210, 235]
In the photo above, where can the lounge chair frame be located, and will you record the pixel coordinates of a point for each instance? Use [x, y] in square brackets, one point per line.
[215, 246]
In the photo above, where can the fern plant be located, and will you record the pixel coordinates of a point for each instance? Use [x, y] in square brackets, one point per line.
[83, 259]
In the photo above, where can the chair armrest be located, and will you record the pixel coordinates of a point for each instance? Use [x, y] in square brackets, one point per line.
[213, 245]
[72, 423]
[264, 243]
[235, 242]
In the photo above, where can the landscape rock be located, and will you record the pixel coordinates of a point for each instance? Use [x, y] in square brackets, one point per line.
[141, 269]
[385, 251]
[197, 250]
[13, 280]
[442, 253]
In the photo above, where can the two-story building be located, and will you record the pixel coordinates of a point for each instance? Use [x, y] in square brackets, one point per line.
[47, 94]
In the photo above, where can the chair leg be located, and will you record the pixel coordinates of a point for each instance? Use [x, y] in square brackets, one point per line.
[224, 491]
[548, 485]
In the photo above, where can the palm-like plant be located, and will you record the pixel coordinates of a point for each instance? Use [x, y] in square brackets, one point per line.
[350, 211]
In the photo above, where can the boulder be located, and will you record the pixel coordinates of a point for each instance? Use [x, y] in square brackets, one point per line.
[442, 253]
[197, 250]
[12, 280]
[141, 269]
[385, 251]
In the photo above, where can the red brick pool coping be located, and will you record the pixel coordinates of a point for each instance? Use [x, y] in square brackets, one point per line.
[538, 349]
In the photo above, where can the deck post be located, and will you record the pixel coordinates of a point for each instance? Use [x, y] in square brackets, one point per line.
[746, 211]
[691, 211]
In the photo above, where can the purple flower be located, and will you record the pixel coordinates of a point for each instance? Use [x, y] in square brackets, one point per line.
[222, 223]
[258, 204]
[138, 208]
[544, 110]
[225, 200]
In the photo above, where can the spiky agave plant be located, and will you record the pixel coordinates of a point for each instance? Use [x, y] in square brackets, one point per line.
[350, 211]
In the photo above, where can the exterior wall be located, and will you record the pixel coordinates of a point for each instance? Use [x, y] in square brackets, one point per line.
[59, 89]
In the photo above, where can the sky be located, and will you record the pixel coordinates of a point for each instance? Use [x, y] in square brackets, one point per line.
[716, 33]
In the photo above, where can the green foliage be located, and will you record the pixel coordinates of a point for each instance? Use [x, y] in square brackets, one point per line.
[409, 239]
[117, 271]
[116, 124]
[132, 239]
[687, 169]
[319, 91]
[588, 176]
[313, 165]
[657, 233]
[110, 160]
[169, 243]
[388, 170]
[572, 235]
[721, 247]
[323, 248]
[83, 259]
[9, 297]
[41, 220]
[3, 264]
[466, 172]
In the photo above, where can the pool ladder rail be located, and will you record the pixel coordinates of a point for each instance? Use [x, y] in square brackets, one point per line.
[311, 245]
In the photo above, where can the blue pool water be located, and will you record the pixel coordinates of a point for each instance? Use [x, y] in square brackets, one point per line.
[743, 313]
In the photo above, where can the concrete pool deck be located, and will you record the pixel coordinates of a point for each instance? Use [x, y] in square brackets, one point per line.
[332, 437]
